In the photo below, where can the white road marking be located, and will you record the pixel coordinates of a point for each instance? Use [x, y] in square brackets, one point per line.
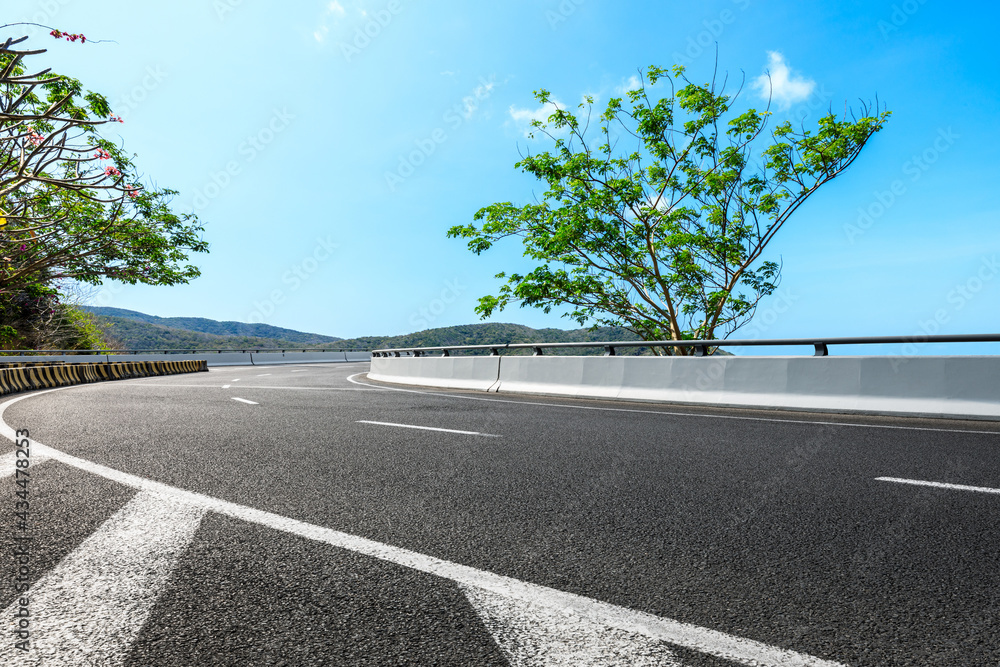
[351, 379]
[428, 428]
[236, 380]
[713, 642]
[302, 371]
[263, 375]
[535, 635]
[243, 400]
[248, 386]
[8, 462]
[938, 485]
[90, 607]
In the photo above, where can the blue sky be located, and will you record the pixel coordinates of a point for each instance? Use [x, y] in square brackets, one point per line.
[329, 146]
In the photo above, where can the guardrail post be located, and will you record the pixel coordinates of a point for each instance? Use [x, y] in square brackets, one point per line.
[700, 350]
[609, 351]
[494, 352]
[396, 353]
[445, 353]
[537, 352]
[821, 350]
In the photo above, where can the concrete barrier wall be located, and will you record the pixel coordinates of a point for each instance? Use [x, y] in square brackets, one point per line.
[927, 386]
[16, 378]
[450, 372]
[213, 358]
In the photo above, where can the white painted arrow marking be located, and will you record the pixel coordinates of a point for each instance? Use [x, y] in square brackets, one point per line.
[531, 634]
[89, 608]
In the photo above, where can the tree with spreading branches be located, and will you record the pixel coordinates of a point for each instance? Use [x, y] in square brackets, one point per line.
[72, 203]
[660, 223]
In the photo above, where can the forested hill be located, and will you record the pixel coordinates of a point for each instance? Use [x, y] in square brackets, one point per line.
[214, 327]
[134, 330]
[488, 334]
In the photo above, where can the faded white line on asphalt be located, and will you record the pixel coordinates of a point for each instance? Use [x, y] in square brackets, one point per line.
[89, 608]
[243, 400]
[428, 428]
[938, 485]
[351, 379]
[263, 375]
[534, 635]
[8, 462]
[236, 380]
[302, 371]
[247, 386]
[713, 642]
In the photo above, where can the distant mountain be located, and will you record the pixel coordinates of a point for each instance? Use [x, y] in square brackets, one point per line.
[214, 327]
[134, 330]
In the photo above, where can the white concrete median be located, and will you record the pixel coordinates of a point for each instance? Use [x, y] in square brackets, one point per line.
[937, 386]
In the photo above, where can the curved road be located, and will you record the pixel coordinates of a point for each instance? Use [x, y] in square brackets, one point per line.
[304, 515]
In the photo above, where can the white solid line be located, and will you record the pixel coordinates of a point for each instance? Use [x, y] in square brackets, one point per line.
[243, 400]
[939, 485]
[666, 413]
[428, 428]
[730, 647]
[90, 607]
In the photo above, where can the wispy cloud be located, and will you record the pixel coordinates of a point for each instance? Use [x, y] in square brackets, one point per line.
[779, 84]
[632, 83]
[331, 13]
[523, 118]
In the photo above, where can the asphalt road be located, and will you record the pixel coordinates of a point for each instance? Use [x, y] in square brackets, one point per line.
[329, 530]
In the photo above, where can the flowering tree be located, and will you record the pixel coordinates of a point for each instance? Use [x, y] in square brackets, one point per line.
[72, 204]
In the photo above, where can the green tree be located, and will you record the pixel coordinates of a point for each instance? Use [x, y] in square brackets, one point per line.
[72, 204]
[659, 224]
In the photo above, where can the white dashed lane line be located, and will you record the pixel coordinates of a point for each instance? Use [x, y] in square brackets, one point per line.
[938, 485]
[428, 428]
[226, 386]
[243, 400]
[263, 375]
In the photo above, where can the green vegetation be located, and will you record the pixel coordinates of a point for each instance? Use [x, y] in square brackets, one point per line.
[73, 208]
[658, 224]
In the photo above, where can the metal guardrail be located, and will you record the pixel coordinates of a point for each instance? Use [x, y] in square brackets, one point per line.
[701, 347]
[177, 351]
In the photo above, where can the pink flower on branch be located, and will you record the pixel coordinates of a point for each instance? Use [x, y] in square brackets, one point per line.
[112, 171]
[103, 154]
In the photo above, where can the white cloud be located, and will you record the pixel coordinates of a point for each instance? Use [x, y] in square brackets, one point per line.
[783, 87]
[335, 8]
[524, 117]
[320, 34]
[633, 83]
